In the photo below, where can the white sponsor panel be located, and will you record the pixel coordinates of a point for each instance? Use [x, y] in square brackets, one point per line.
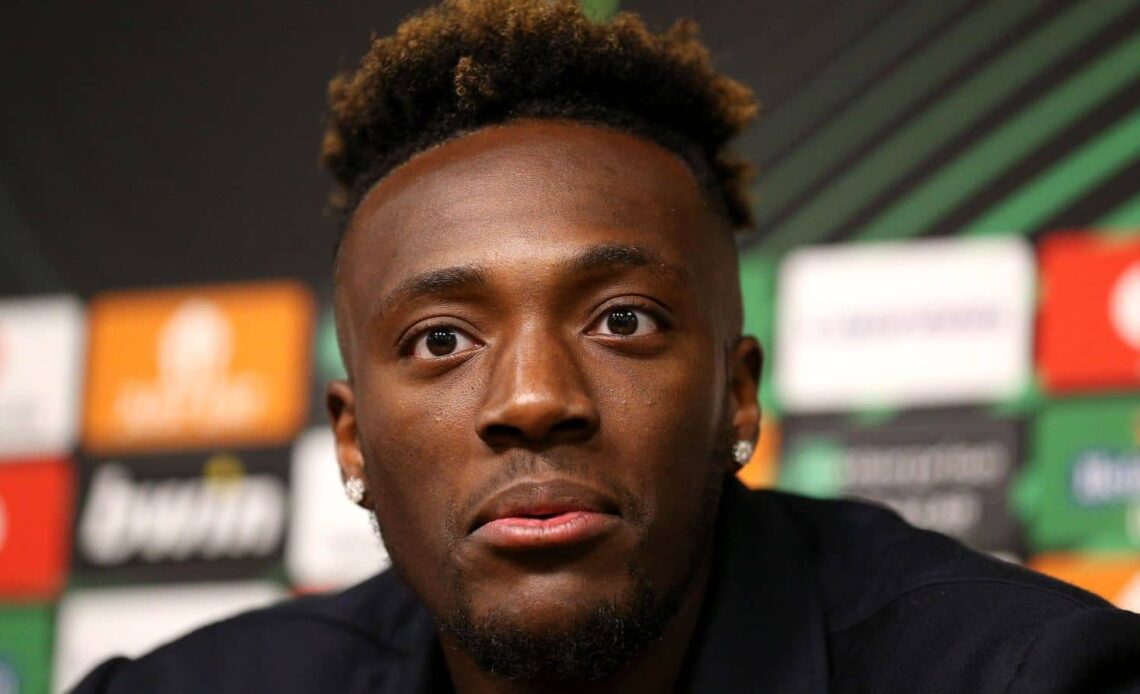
[916, 323]
[331, 541]
[41, 354]
[99, 623]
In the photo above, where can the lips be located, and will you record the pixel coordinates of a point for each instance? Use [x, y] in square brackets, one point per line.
[544, 514]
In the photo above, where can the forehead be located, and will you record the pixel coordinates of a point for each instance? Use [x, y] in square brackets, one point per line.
[529, 176]
[529, 190]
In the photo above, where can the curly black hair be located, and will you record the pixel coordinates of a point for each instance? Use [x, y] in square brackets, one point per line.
[466, 64]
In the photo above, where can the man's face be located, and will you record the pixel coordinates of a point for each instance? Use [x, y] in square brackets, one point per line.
[540, 322]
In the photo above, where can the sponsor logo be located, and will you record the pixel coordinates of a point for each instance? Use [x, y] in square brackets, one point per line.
[913, 480]
[331, 540]
[41, 343]
[194, 383]
[1106, 477]
[1081, 489]
[210, 517]
[1089, 331]
[183, 516]
[201, 367]
[35, 509]
[865, 326]
[949, 473]
[966, 462]
[143, 617]
[921, 321]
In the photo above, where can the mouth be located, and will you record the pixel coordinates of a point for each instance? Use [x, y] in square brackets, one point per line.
[544, 514]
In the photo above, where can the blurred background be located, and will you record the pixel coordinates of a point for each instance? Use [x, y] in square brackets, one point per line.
[945, 273]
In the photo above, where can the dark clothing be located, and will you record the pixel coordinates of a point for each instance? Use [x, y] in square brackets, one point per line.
[805, 596]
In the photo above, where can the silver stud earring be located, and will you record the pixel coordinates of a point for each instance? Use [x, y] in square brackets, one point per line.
[742, 452]
[354, 489]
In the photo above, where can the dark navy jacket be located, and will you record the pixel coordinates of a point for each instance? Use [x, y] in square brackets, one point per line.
[805, 596]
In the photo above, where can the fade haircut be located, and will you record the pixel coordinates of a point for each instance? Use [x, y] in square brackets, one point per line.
[467, 64]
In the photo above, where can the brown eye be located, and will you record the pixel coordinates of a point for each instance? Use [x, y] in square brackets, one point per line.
[622, 321]
[441, 341]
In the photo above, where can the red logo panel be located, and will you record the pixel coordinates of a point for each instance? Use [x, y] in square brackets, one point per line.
[35, 521]
[1089, 332]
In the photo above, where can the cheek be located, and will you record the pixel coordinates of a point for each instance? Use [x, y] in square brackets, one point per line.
[413, 448]
[668, 436]
[662, 424]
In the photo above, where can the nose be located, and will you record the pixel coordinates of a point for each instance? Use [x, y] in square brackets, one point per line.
[536, 396]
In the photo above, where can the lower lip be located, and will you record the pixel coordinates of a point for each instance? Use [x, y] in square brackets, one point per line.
[565, 529]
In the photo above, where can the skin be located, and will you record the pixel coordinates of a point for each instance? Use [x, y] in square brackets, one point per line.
[538, 387]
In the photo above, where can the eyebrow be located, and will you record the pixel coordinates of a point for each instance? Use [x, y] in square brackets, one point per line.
[435, 282]
[593, 260]
[608, 257]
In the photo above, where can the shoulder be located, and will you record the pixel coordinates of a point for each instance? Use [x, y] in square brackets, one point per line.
[909, 608]
[365, 638]
[866, 556]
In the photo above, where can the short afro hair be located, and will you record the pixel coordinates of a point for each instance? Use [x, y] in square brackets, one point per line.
[466, 64]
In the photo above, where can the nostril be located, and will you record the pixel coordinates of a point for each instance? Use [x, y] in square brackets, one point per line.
[503, 432]
[572, 425]
[570, 428]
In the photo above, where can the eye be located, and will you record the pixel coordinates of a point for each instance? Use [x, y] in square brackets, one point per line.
[441, 341]
[625, 321]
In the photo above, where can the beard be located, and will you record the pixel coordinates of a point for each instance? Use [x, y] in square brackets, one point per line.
[599, 642]
[604, 637]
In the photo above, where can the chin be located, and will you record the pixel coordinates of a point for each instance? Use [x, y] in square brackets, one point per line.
[550, 602]
[559, 628]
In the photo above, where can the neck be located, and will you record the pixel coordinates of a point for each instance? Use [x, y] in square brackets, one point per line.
[654, 670]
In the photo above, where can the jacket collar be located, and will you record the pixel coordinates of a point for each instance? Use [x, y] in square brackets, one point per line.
[762, 623]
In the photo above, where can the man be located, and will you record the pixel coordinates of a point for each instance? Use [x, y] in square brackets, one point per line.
[548, 395]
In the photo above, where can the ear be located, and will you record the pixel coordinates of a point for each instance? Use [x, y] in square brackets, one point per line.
[747, 360]
[341, 404]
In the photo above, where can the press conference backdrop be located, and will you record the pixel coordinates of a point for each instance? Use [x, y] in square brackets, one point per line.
[945, 274]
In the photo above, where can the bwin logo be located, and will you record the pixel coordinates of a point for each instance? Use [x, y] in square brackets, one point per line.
[226, 514]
